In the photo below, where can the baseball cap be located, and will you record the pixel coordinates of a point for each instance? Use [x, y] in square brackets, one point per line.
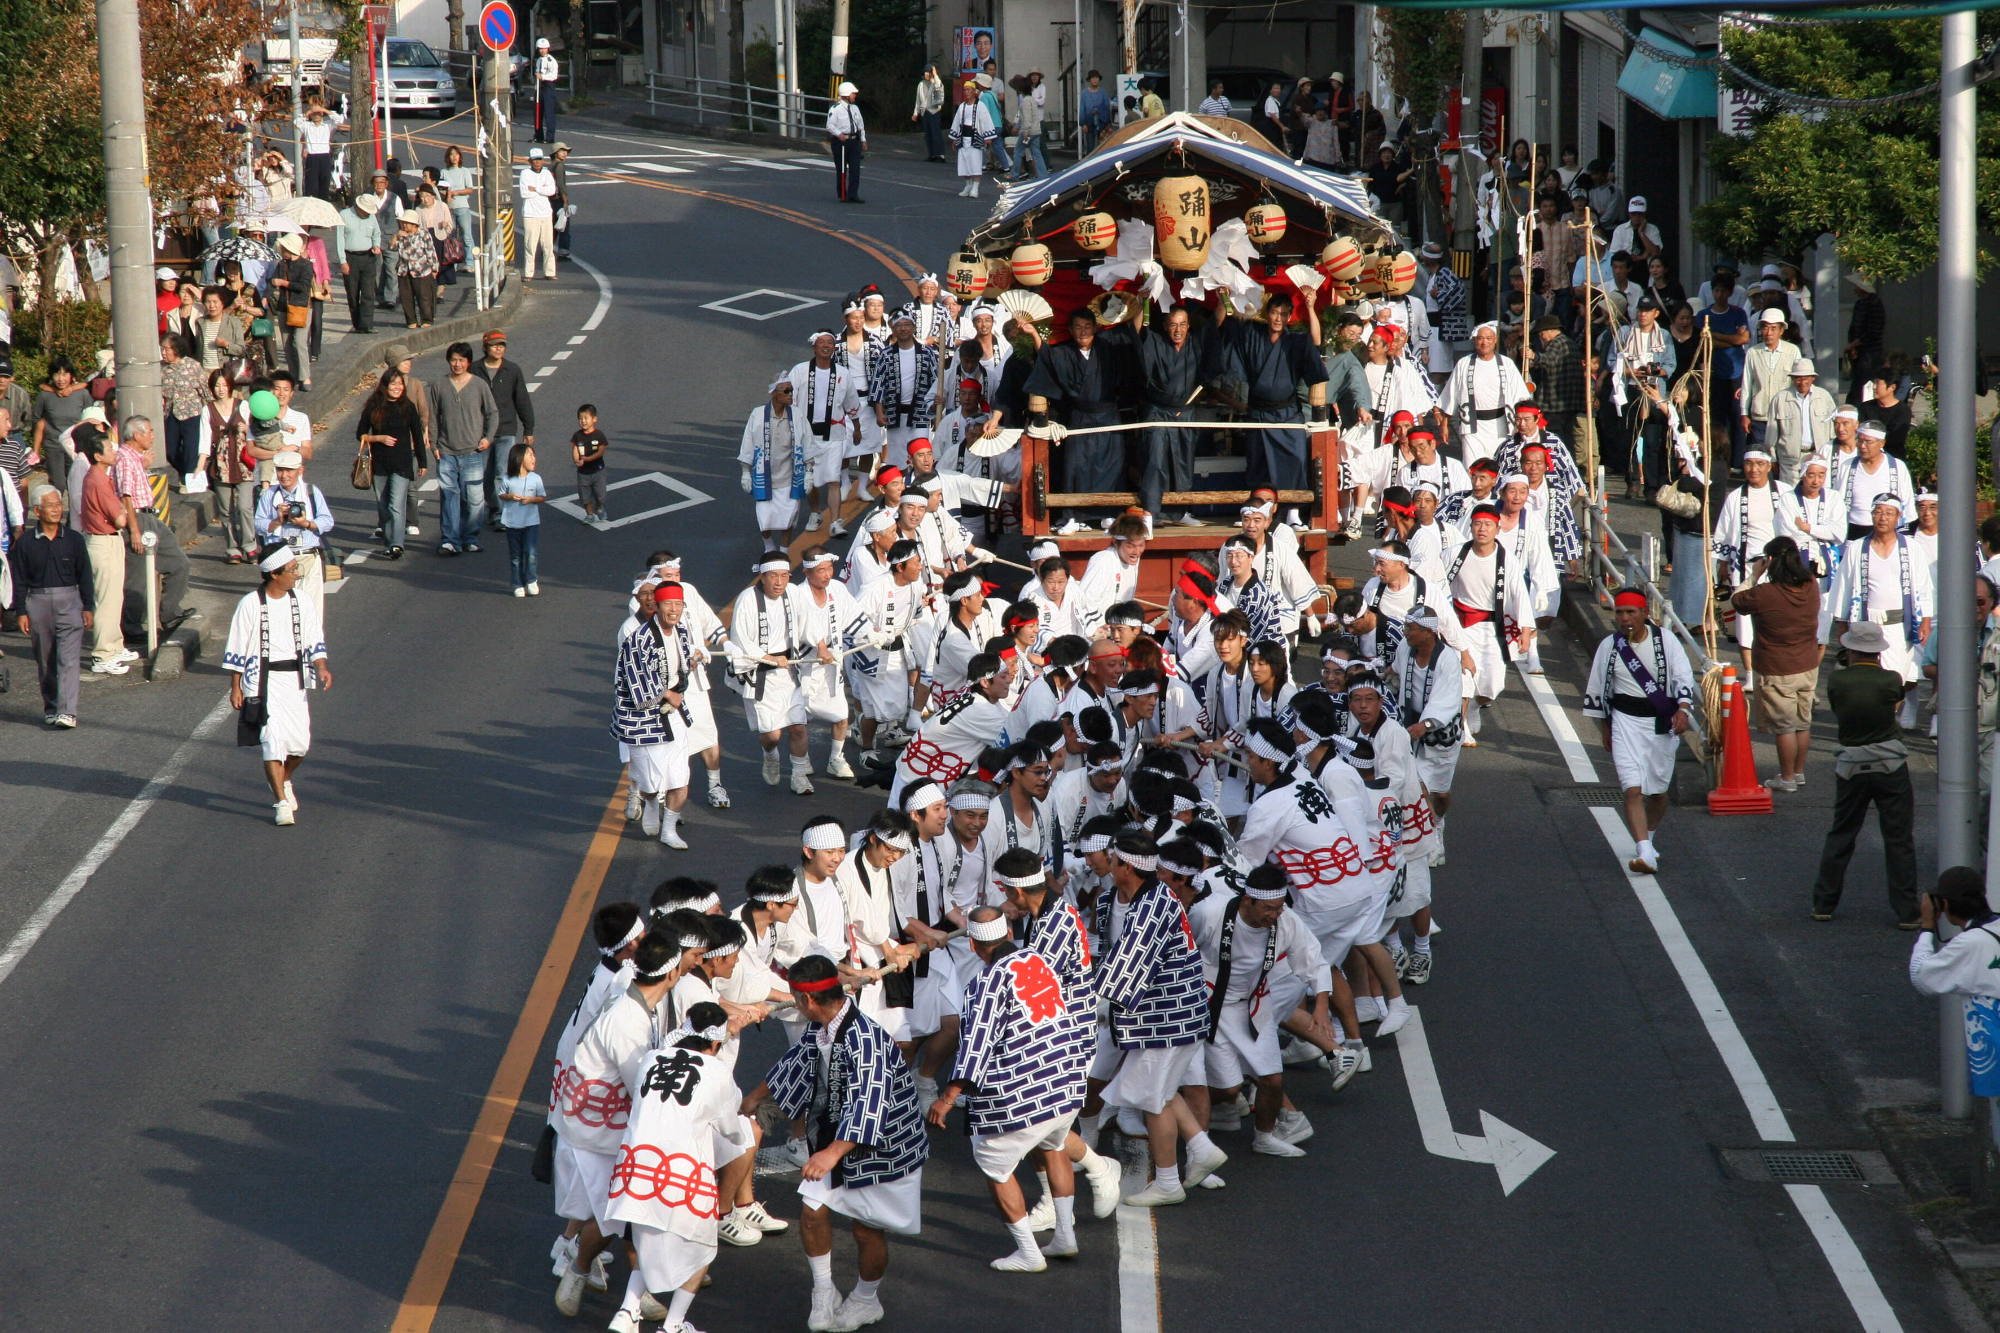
[534, 154]
[1636, 204]
[165, 274]
[288, 458]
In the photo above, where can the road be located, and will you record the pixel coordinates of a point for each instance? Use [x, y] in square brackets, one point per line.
[247, 1062]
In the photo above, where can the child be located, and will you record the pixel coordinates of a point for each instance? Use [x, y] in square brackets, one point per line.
[587, 447]
[520, 493]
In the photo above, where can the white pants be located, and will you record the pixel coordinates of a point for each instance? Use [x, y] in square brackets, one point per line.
[701, 733]
[583, 1186]
[668, 1262]
[1234, 1051]
[1415, 895]
[819, 697]
[659, 768]
[777, 515]
[538, 234]
[1489, 663]
[1436, 764]
[899, 443]
[938, 995]
[1643, 759]
[996, 1155]
[1150, 1077]
[1339, 929]
[288, 732]
[895, 1206]
[773, 712]
[885, 695]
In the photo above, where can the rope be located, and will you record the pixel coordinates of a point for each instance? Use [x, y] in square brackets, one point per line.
[1711, 710]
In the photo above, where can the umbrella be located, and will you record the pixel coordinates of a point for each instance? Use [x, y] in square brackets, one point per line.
[242, 249]
[278, 223]
[311, 212]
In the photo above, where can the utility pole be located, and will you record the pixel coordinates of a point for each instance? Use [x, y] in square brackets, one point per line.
[1958, 743]
[298, 94]
[840, 16]
[1129, 56]
[129, 213]
[1464, 213]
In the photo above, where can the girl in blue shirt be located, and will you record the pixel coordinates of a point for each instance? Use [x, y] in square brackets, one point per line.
[523, 521]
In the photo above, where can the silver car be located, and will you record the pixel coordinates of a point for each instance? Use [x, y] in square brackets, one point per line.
[418, 80]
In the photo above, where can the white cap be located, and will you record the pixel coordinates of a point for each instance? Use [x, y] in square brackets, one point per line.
[534, 154]
[541, 43]
[848, 89]
[165, 274]
[1772, 317]
[288, 458]
[1636, 204]
[1770, 271]
[1803, 366]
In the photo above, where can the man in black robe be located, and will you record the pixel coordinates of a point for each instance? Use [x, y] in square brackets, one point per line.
[1173, 356]
[1273, 362]
[1080, 381]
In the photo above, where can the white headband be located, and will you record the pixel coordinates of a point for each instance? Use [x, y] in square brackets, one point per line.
[773, 564]
[1756, 455]
[707, 904]
[1021, 882]
[1138, 692]
[790, 895]
[1182, 805]
[972, 589]
[1421, 615]
[1146, 863]
[900, 841]
[632, 936]
[1259, 745]
[694, 941]
[879, 521]
[986, 932]
[1108, 766]
[969, 800]
[1874, 432]
[1180, 868]
[717, 1034]
[1095, 842]
[824, 838]
[1266, 895]
[1513, 477]
[921, 795]
[1041, 551]
[277, 560]
[1382, 554]
[723, 950]
[1265, 509]
[672, 566]
[811, 561]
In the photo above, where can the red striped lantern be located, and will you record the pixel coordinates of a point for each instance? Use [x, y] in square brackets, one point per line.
[1266, 224]
[1341, 260]
[1402, 273]
[966, 274]
[1032, 264]
[1095, 231]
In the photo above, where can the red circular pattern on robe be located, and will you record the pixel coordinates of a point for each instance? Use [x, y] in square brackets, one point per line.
[926, 760]
[644, 1173]
[596, 1103]
[1322, 865]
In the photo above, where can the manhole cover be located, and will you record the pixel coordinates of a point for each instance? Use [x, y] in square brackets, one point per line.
[1812, 1166]
[1583, 796]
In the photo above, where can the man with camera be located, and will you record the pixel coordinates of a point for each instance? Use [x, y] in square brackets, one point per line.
[294, 512]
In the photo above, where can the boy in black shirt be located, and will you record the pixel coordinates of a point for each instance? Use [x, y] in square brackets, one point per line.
[587, 448]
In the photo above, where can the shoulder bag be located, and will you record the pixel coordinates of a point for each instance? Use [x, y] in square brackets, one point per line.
[256, 710]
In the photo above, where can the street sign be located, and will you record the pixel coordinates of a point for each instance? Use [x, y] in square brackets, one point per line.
[496, 26]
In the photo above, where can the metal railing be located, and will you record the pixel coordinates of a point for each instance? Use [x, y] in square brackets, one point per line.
[743, 106]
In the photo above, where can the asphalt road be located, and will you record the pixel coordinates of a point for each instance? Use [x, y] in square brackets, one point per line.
[246, 1060]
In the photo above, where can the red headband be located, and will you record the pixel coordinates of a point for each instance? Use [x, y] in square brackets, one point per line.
[1188, 588]
[889, 472]
[813, 987]
[1629, 597]
[921, 442]
[1400, 418]
[1423, 435]
[1487, 468]
[1535, 449]
[971, 384]
[669, 592]
[1405, 510]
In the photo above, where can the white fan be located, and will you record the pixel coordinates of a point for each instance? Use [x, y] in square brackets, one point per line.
[1029, 305]
[1304, 277]
[981, 446]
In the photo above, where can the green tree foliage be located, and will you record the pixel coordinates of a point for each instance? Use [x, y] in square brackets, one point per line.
[1870, 177]
[1427, 46]
[885, 56]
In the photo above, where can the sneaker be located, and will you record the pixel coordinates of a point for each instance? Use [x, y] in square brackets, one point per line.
[1042, 1217]
[1105, 1178]
[1272, 1146]
[1399, 957]
[718, 796]
[561, 1254]
[837, 765]
[446, 548]
[569, 1292]
[48, 719]
[291, 797]
[825, 1304]
[1367, 1057]
[798, 1152]
[67, 721]
[520, 592]
[857, 1312]
[375, 535]
[1420, 969]
[802, 782]
[838, 529]
[1188, 520]
[1156, 1196]
[411, 531]
[1778, 782]
[634, 804]
[1070, 527]
[1021, 1261]
[624, 1322]
[282, 815]
[127, 656]
[535, 589]
[1198, 1167]
[1437, 859]
[473, 548]
[754, 1214]
[812, 521]
[1293, 1127]
[733, 1230]
[109, 667]
[1345, 1063]
[774, 770]
[599, 1277]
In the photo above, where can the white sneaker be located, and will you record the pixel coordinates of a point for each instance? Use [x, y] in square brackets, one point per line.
[838, 529]
[520, 592]
[561, 1253]
[1021, 1261]
[1293, 1127]
[1367, 1058]
[1155, 1196]
[412, 531]
[1188, 520]
[599, 1276]
[718, 796]
[110, 667]
[798, 1151]
[825, 1307]
[535, 589]
[802, 782]
[774, 768]
[1199, 1167]
[1345, 1063]
[754, 1214]
[857, 1312]
[1042, 1217]
[652, 1309]
[1420, 969]
[1399, 956]
[1272, 1146]
[837, 765]
[1292, 519]
[670, 834]
[569, 1292]
[1069, 527]
[282, 815]
[625, 1321]
[649, 822]
[733, 1230]
[633, 802]
[1105, 1179]
[1302, 1052]
[127, 656]
[812, 523]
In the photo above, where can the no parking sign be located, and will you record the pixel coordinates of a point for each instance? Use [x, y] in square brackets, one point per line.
[496, 26]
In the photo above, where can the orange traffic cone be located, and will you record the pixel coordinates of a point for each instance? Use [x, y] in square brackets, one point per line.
[1739, 792]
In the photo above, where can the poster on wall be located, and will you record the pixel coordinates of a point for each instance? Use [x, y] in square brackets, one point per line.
[1129, 95]
[974, 47]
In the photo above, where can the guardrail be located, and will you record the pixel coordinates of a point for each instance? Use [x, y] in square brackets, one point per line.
[745, 106]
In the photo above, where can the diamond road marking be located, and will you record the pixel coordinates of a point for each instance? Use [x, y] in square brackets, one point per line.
[727, 305]
[660, 167]
[690, 497]
[546, 371]
[534, 385]
[429, 485]
[356, 558]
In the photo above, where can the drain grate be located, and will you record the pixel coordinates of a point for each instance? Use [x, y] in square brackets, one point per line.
[1812, 1166]
[1583, 796]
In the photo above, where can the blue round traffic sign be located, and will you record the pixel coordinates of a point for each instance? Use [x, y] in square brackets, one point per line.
[496, 26]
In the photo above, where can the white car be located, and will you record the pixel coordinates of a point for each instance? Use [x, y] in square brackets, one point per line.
[419, 81]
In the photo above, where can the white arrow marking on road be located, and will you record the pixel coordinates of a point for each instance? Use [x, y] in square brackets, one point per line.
[1510, 1152]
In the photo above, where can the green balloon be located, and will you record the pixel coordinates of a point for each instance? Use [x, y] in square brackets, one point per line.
[264, 405]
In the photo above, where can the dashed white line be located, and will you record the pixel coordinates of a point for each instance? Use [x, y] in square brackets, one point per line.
[579, 340]
[563, 355]
[534, 385]
[660, 167]
[546, 371]
[1138, 1249]
[1573, 753]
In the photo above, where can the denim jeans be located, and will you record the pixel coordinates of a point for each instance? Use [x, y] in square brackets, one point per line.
[392, 494]
[1026, 145]
[502, 446]
[521, 547]
[461, 501]
[933, 135]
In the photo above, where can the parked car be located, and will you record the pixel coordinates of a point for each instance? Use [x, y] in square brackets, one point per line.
[419, 80]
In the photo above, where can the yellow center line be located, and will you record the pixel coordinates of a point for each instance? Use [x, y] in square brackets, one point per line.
[434, 1266]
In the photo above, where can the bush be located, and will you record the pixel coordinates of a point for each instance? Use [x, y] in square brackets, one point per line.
[1920, 452]
[81, 327]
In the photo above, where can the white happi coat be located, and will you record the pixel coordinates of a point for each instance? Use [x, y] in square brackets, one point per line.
[826, 403]
[1478, 387]
[664, 1178]
[288, 729]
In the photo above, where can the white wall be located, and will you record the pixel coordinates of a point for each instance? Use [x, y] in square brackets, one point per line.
[425, 21]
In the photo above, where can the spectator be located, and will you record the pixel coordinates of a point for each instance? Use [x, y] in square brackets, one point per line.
[223, 334]
[995, 102]
[316, 129]
[565, 224]
[291, 297]
[1731, 329]
[537, 190]
[587, 447]
[53, 601]
[928, 110]
[1386, 180]
[1660, 282]
[58, 406]
[1150, 105]
[1884, 405]
[521, 497]
[1321, 150]
[13, 397]
[388, 213]
[390, 432]
[1872, 766]
[1864, 337]
[1340, 109]
[463, 422]
[462, 182]
[1965, 964]
[415, 259]
[181, 394]
[274, 174]
[293, 512]
[1028, 130]
[360, 258]
[135, 488]
[511, 397]
[1217, 101]
[226, 430]
[168, 298]
[13, 453]
[436, 221]
[1783, 606]
[1636, 236]
[1094, 110]
[107, 524]
[1558, 377]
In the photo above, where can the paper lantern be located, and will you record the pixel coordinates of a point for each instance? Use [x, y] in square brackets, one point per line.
[1181, 222]
[1266, 224]
[1032, 264]
[1095, 231]
[1373, 273]
[966, 274]
[1400, 273]
[999, 275]
[1341, 260]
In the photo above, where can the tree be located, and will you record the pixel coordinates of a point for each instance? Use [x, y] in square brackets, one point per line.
[1870, 176]
[1425, 49]
[886, 45]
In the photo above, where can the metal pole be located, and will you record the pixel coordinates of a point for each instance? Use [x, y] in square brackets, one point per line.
[151, 542]
[839, 62]
[384, 86]
[298, 95]
[129, 210]
[792, 68]
[1958, 743]
[778, 66]
[1076, 84]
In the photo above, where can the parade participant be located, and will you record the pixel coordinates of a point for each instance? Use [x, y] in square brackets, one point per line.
[1417, 459]
[1079, 795]
[1527, 546]
[966, 422]
[868, 561]
[609, 1061]
[1394, 385]
[709, 634]
[771, 900]
[1551, 509]
[868, 1140]
[923, 883]
[1870, 474]
[873, 950]
[830, 399]
[1640, 689]
[702, 983]
[1753, 514]
[649, 716]
[766, 629]
[1191, 643]
[1248, 999]
[1082, 383]
[1882, 578]
[1112, 574]
[683, 1127]
[1274, 554]
[829, 610]
[933, 310]
[968, 622]
[1923, 533]
[971, 802]
[1092, 690]
[914, 522]
[774, 455]
[1389, 597]
[1136, 713]
[1042, 700]
[1455, 513]
[1017, 1072]
[948, 743]
[1481, 394]
[878, 663]
[1274, 360]
[1152, 977]
[1427, 706]
[276, 651]
[1489, 594]
[1057, 598]
[971, 130]
[855, 348]
[1244, 591]
[1172, 356]
[1018, 816]
[1229, 695]
[820, 926]
[902, 385]
[1817, 523]
[1531, 428]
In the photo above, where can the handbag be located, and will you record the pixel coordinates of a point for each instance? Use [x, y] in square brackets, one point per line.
[1676, 501]
[451, 250]
[298, 316]
[261, 327]
[363, 472]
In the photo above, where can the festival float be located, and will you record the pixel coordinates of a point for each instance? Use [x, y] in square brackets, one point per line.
[1179, 208]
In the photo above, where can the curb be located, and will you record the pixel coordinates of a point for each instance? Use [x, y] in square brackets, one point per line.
[341, 374]
[179, 647]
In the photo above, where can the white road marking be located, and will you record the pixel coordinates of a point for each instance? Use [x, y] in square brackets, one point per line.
[38, 923]
[332, 586]
[1870, 1305]
[579, 340]
[1138, 1249]
[546, 371]
[429, 484]
[356, 558]
[1511, 1153]
[690, 497]
[727, 305]
[534, 385]
[603, 294]
[1557, 721]
[660, 167]
[563, 355]
[766, 164]
[814, 161]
